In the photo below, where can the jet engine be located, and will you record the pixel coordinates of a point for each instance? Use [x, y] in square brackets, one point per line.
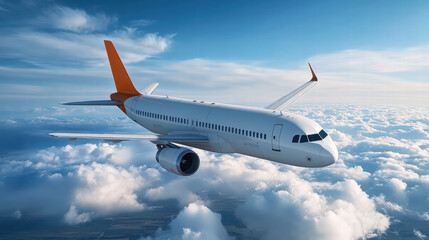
[178, 160]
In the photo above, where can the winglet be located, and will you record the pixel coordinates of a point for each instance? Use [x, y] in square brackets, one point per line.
[314, 78]
[122, 79]
[149, 89]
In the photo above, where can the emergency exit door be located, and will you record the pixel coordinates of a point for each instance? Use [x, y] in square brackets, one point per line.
[275, 139]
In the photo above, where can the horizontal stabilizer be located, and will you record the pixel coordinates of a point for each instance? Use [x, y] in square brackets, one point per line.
[95, 103]
[130, 137]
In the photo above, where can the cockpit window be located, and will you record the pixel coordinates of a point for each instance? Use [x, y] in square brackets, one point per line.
[314, 137]
[310, 138]
[295, 138]
[323, 134]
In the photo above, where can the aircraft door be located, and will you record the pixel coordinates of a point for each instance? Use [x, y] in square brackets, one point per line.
[275, 139]
[133, 114]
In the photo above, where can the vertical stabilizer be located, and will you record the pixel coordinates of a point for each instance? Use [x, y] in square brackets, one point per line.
[122, 80]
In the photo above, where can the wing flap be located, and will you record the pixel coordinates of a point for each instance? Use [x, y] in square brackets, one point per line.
[131, 137]
[287, 100]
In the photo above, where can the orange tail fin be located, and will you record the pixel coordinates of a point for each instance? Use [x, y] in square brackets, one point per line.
[122, 80]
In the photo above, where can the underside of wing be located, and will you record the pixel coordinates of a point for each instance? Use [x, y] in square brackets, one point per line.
[290, 98]
[131, 137]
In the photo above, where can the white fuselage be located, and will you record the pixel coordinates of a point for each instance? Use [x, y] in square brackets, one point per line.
[261, 133]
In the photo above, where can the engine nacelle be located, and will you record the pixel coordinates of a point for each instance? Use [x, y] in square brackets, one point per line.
[180, 161]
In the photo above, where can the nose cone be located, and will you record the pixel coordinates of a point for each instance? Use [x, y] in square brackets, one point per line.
[328, 154]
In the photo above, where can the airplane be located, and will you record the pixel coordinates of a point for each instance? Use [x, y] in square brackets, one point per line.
[268, 133]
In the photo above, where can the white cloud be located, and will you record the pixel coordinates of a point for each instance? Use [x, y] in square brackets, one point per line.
[300, 213]
[77, 40]
[281, 203]
[195, 221]
[241, 82]
[106, 189]
[387, 206]
[73, 49]
[381, 175]
[419, 234]
[76, 20]
[398, 184]
[384, 61]
[72, 217]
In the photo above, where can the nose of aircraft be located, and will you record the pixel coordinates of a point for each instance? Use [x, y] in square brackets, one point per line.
[328, 154]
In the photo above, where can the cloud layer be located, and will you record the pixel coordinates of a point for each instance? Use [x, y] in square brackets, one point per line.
[380, 179]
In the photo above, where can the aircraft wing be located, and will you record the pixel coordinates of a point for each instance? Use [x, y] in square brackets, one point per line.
[285, 101]
[95, 103]
[130, 137]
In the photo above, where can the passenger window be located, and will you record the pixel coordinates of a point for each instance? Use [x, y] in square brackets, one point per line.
[265, 136]
[295, 139]
[323, 134]
[303, 139]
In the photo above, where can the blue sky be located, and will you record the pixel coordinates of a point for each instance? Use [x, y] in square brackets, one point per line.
[371, 58]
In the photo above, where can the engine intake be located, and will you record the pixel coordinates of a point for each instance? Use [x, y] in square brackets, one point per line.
[178, 160]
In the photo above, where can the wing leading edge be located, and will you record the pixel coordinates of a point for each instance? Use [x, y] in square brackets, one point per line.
[131, 137]
[285, 101]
